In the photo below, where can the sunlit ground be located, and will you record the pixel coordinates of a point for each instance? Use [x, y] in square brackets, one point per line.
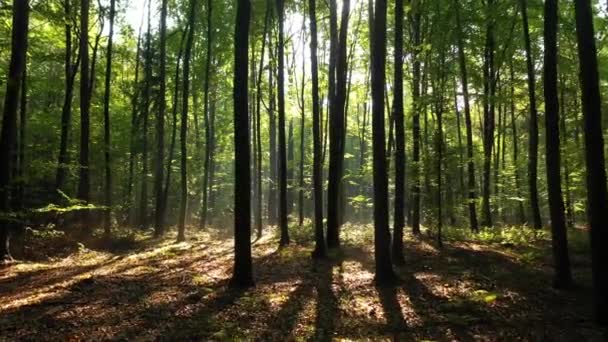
[494, 288]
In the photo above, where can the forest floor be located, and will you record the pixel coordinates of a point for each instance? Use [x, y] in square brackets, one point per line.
[492, 288]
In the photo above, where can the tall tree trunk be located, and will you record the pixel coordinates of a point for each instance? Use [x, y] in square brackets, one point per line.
[207, 160]
[143, 204]
[66, 112]
[19, 193]
[382, 236]
[17, 66]
[282, 141]
[597, 196]
[302, 133]
[467, 118]
[533, 129]
[242, 275]
[559, 236]
[336, 126]
[174, 123]
[520, 204]
[564, 138]
[417, 42]
[272, 126]
[459, 135]
[399, 115]
[159, 225]
[317, 172]
[134, 124]
[290, 168]
[181, 228]
[107, 220]
[85, 95]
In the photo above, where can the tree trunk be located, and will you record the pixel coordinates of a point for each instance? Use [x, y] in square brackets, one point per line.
[85, 97]
[242, 275]
[302, 132]
[181, 236]
[272, 184]
[597, 197]
[107, 220]
[559, 236]
[399, 116]
[520, 204]
[533, 130]
[282, 141]
[317, 172]
[16, 69]
[417, 42]
[382, 236]
[143, 205]
[207, 160]
[564, 137]
[159, 225]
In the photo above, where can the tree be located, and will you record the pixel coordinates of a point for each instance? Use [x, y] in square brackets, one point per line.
[208, 139]
[85, 104]
[242, 273]
[184, 123]
[464, 80]
[319, 251]
[20, 25]
[282, 142]
[597, 193]
[563, 277]
[159, 213]
[399, 115]
[106, 118]
[337, 132]
[417, 42]
[382, 237]
[143, 200]
[533, 129]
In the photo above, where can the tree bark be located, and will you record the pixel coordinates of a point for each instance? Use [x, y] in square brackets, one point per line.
[208, 144]
[597, 196]
[282, 141]
[242, 273]
[107, 220]
[85, 97]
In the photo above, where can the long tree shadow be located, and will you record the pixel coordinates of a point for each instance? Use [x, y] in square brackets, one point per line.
[327, 311]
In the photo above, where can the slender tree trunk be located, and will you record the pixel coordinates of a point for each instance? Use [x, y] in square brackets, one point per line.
[520, 204]
[181, 236]
[16, 69]
[207, 160]
[467, 118]
[533, 130]
[107, 221]
[272, 184]
[290, 168]
[83, 174]
[382, 236]
[417, 41]
[66, 112]
[564, 138]
[562, 277]
[317, 172]
[302, 132]
[282, 141]
[242, 275]
[143, 206]
[159, 225]
[597, 196]
[399, 115]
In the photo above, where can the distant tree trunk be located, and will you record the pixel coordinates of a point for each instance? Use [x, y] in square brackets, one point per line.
[564, 138]
[439, 148]
[19, 199]
[563, 276]
[242, 275]
[489, 114]
[174, 123]
[134, 124]
[66, 112]
[382, 236]
[159, 225]
[533, 132]
[258, 118]
[181, 236]
[399, 115]
[302, 132]
[272, 184]
[317, 172]
[107, 221]
[17, 66]
[416, 19]
[207, 160]
[467, 118]
[85, 95]
[143, 204]
[282, 141]
[597, 196]
[290, 168]
[520, 205]
[336, 128]
[459, 135]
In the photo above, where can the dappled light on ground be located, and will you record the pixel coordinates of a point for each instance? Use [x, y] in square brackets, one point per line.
[467, 291]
